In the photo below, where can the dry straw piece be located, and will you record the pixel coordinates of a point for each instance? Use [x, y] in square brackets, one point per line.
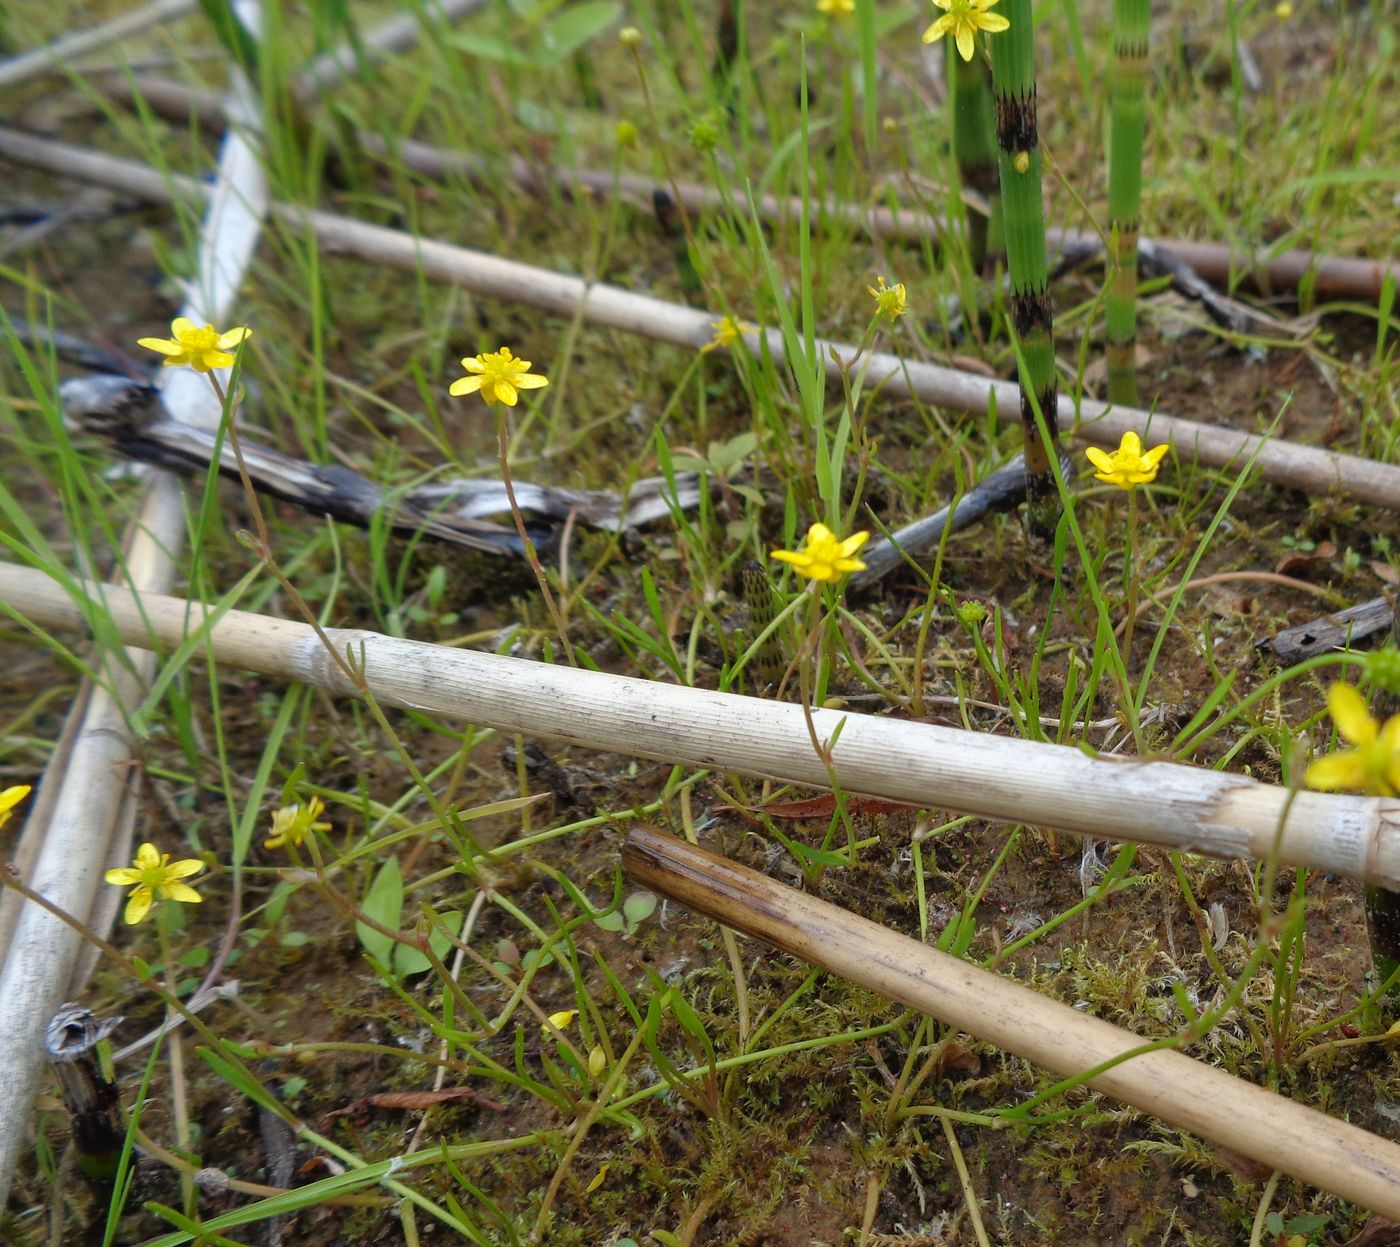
[1307, 468]
[1163, 803]
[82, 819]
[1332, 277]
[1320, 1150]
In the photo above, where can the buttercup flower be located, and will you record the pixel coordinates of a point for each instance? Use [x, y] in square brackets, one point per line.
[1127, 466]
[201, 347]
[499, 376]
[835, 7]
[156, 878]
[964, 18]
[293, 823]
[824, 556]
[560, 1020]
[890, 301]
[1374, 765]
[727, 332]
[10, 798]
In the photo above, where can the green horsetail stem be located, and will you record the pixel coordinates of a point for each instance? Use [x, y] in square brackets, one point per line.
[1383, 905]
[1130, 30]
[770, 663]
[1023, 217]
[975, 148]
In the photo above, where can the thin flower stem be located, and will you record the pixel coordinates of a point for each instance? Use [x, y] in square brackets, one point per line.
[503, 453]
[1132, 575]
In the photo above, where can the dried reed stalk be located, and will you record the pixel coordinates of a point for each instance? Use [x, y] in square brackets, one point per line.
[1334, 277]
[83, 822]
[1307, 468]
[1182, 1092]
[58, 57]
[1178, 807]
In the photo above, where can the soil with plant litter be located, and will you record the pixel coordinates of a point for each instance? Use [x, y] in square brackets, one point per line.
[790, 1160]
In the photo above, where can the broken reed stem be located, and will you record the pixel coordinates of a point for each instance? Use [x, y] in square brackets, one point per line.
[1182, 1092]
[1306, 468]
[1023, 216]
[975, 148]
[1330, 277]
[1180, 807]
[1131, 20]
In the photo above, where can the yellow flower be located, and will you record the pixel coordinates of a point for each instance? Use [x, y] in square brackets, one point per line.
[560, 1020]
[293, 823]
[1127, 466]
[156, 878]
[1283, 10]
[1374, 765]
[890, 301]
[10, 798]
[727, 332]
[835, 7]
[499, 376]
[202, 348]
[965, 18]
[825, 556]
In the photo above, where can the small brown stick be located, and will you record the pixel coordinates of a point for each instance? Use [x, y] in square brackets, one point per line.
[1173, 1087]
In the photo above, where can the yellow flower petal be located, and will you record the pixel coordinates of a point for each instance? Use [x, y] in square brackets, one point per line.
[185, 868]
[163, 345]
[966, 46]
[562, 1018]
[1348, 710]
[939, 28]
[138, 905]
[499, 376]
[1336, 772]
[181, 892]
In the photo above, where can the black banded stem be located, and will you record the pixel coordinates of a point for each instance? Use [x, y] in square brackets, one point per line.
[1023, 209]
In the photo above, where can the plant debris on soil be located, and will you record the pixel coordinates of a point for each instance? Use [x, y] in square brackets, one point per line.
[705, 1088]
